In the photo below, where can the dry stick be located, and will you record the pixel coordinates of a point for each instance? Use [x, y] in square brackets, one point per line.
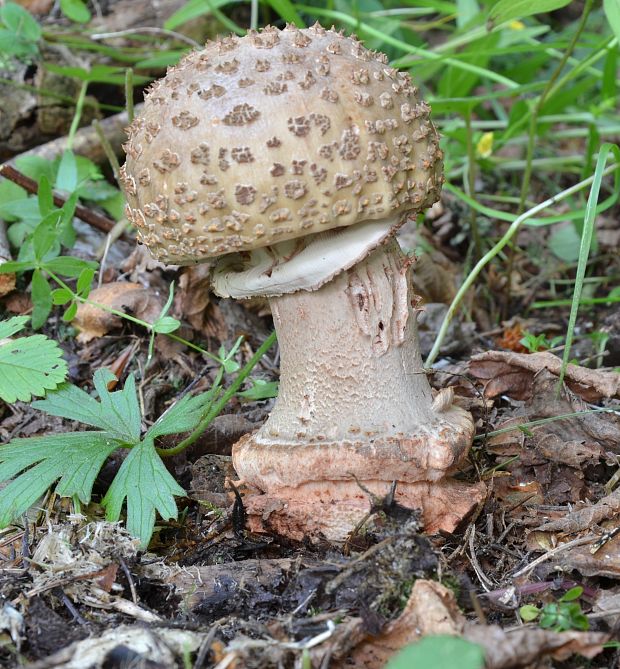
[98, 221]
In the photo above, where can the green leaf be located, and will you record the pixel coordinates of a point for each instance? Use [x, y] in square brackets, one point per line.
[439, 652]
[13, 325]
[183, 416]
[67, 177]
[75, 10]
[572, 594]
[36, 167]
[84, 282]
[41, 299]
[260, 390]
[117, 413]
[146, 484]
[28, 365]
[71, 459]
[165, 325]
[61, 296]
[20, 22]
[10, 193]
[70, 312]
[506, 10]
[70, 266]
[192, 10]
[45, 196]
[612, 12]
[528, 612]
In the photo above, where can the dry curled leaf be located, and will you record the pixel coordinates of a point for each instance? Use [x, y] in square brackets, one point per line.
[131, 298]
[431, 609]
[509, 373]
[525, 645]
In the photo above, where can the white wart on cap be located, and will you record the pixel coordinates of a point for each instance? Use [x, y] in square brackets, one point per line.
[274, 136]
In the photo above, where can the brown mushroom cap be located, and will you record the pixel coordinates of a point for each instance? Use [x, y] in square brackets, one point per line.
[274, 136]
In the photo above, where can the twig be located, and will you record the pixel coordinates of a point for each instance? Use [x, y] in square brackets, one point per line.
[150, 30]
[98, 221]
[554, 551]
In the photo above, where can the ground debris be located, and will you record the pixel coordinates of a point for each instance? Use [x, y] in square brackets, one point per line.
[509, 373]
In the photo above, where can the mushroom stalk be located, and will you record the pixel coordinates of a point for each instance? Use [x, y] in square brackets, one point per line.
[355, 404]
[350, 364]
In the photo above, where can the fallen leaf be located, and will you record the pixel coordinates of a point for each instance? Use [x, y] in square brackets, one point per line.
[526, 645]
[509, 373]
[431, 609]
[586, 518]
[127, 297]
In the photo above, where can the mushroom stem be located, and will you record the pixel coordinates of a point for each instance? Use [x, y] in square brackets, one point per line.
[350, 364]
[355, 404]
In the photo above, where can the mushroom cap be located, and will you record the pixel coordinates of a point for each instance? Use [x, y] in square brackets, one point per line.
[274, 136]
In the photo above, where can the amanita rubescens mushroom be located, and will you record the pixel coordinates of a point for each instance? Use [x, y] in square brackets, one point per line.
[294, 156]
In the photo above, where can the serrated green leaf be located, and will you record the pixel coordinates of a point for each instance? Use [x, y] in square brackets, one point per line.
[117, 413]
[29, 366]
[71, 459]
[13, 325]
[183, 416]
[148, 487]
[121, 407]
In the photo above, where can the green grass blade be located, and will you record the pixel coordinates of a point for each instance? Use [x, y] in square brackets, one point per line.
[584, 249]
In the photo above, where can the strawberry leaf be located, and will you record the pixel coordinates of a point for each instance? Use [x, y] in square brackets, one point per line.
[28, 365]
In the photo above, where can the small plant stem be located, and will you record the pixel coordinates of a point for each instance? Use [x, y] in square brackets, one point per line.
[221, 403]
[128, 317]
[489, 255]
[531, 141]
[79, 108]
[98, 221]
[129, 93]
[109, 151]
[471, 183]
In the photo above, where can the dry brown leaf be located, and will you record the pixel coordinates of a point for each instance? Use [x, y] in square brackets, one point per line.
[39, 7]
[431, 609]
[127, 297]
[7, 283]
[509, 373]
[583, 519]
[525, 645]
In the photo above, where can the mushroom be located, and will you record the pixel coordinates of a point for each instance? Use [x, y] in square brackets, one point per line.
[293, 156]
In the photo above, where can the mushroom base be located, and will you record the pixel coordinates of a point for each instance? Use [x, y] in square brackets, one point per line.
[323, 498]
[332, 510]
